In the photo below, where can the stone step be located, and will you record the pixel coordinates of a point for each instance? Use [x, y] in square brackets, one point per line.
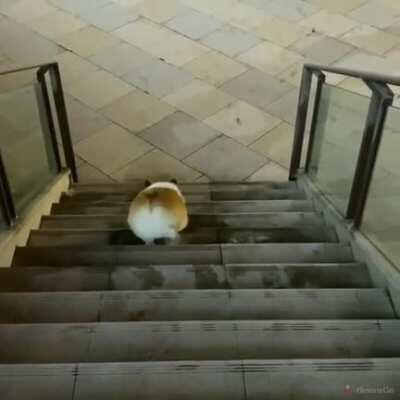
[91, 198]
[207, 207]
[232, 220]
[311, 379]
[198, 340]
[292, 193]
[175, 277]
[206, 235]
[195, 305]
[184, 254]
[135, 186]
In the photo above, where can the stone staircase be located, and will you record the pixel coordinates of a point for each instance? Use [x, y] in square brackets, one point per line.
[260, 301]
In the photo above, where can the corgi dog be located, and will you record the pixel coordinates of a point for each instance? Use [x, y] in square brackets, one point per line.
[158, 212]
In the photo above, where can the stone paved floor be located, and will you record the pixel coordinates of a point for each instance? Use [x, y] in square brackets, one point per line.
[192, 89]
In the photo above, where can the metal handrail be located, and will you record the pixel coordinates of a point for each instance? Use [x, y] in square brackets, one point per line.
[361, 74]
[22, 69]
[381, 100]
[7, 206]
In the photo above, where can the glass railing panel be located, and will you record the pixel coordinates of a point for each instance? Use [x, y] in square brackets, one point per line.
[24, 139]
[3, 225]
[381, 219]
[338, 135]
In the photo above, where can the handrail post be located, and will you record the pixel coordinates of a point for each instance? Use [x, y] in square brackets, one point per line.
[381, 99]
[300, 125]
[45, 106]
[317, 101]
[6, 200]
[63, 119]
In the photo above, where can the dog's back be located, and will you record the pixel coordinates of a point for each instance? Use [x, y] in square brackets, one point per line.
[158, 212]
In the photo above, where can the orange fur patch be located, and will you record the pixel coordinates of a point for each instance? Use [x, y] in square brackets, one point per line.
[167, 199]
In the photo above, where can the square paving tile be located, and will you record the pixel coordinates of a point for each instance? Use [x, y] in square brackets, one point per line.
[128, 2]
[110, 16]
[256, 88]
[89, 174]
[286, 107]
[194, 24]
[226, 160]
[293, 10]
[244, 17]
[4, 60]
[371, 39]
[281, 32]
[369, 62]
[356, 86]
[17, 115]
[137, 111]
[5, 4]
[242, 122]
[392, 4]
[270, 58]
[26, 10]
[79, 161]
[98, 90]
[292, 75]
[359, 86]
[203, 179]
[122, 58]
[160, 10]
[55, 24]
[83, 120]
[331, 24]
[258, 4]
[157, 166]
[270, 172]
[23, 45]
[215, 68]
[111, 148]
[230, 40]
[276, 144]
[158, 78]
[376, 14]
[87, 41]
[73, 67]
[179, 135]
[161, 42]
[395, 29]
[337, 6]
[393, 55]
[79, 6]
[322, 49]
[216, 8]
[199, 99]
[11, 82]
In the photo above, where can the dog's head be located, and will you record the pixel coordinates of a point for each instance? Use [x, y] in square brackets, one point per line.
[147, 182]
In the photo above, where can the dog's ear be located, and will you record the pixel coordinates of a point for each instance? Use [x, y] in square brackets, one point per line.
[147, 183]
[174, 181]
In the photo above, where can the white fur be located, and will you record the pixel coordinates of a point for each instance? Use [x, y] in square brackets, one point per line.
[152, 224]
[155, 223]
